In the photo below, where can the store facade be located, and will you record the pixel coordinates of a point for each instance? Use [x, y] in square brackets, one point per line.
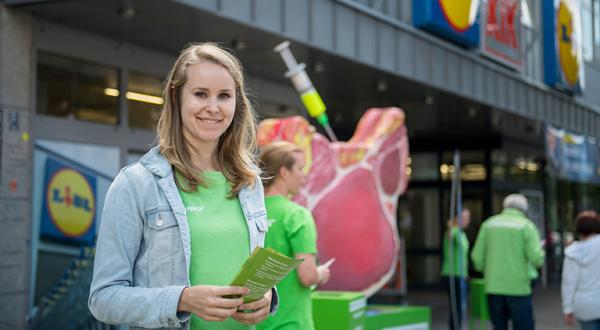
[84, 82]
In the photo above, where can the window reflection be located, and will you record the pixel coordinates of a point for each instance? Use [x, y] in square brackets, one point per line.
[144, 100]
[472, 166]
[75, 89]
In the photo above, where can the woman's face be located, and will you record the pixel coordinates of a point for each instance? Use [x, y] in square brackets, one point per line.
[295, 176]
[207, 105]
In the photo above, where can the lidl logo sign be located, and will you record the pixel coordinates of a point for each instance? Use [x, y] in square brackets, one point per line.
[455, 20]
[458, 13]
[562, 45]
[567, 52]
[69, 203]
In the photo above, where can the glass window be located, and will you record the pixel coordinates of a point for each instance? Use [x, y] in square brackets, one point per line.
[133, 157]
[499, 165]
[529, 15]
[472, 166]
[423, 166]
[419, 225]
[524, 168]
[587, 19]
[75, 89]
[144, 100]
[597, 30]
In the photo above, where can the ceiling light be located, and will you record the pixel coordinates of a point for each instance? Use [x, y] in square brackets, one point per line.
[136, 96]
[318, 67]
[381, 86]
[127, 11]
[429, 100]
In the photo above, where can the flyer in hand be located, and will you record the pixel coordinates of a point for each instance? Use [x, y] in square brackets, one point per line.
[262, 271]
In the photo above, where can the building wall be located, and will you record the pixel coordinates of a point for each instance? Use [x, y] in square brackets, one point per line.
[369, 34]
[592, 85]
[15, 170]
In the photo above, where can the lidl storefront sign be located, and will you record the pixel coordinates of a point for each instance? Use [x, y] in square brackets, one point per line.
[455, 20]
[502, 32]
[69, 203]
[563, 66]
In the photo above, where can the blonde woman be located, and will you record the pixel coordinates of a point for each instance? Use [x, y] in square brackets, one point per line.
[293, 233]
[178, 224]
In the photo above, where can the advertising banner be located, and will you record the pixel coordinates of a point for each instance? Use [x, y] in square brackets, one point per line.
[502, 32]
[563, 64]
[572, 157]
[68, 203]
[454, 20]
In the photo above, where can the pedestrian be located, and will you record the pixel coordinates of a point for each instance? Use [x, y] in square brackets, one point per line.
[506, 246]
[292, 232]
[178, 225]
[455, 266]
[581, 274]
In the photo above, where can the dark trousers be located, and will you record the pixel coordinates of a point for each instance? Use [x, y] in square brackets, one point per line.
[455, 301]
[519, 309]
[590, 325]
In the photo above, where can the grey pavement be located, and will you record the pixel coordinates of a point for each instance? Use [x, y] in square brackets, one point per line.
[546, 302]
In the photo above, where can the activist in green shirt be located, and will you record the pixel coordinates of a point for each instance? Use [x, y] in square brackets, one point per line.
[291, 232]
[506, 246]
[214, 219]
[456, 256]
[455, 266]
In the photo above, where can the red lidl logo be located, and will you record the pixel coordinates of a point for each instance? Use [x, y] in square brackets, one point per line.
[501, 24]
[70, 202]
[567, 45]
[460, 14]
[502, 32]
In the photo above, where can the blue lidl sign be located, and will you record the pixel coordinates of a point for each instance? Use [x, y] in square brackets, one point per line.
[563, 65]
[69, 203]
[455, 20]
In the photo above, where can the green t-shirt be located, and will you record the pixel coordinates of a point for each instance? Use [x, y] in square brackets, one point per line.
[291, 231]
[219, 240]
[456, 256]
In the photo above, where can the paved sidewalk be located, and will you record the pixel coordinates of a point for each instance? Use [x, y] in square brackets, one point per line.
[546, 304]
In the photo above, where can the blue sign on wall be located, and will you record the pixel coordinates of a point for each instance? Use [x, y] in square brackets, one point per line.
[572, 157]
[563, 64]
[455, 20]
[69, 203]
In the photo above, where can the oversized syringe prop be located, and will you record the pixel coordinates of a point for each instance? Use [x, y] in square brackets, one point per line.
[308, 94]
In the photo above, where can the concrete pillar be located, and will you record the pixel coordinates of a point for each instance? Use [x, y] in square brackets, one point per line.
[15, 166]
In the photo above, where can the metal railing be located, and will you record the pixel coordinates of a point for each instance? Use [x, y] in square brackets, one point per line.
[65, 306]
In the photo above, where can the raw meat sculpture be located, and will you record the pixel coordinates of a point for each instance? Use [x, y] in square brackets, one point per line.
[352, 190]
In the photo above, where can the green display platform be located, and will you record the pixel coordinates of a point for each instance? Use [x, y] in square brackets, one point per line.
[333, 310]
[397, 317]
[479, 306]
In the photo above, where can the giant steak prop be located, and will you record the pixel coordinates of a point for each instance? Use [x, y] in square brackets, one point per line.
[352, 190]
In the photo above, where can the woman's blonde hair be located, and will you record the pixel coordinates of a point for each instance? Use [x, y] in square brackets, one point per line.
[235, 150]
[274, 156]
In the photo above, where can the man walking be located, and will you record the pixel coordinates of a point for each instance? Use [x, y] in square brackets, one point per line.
[506, 245]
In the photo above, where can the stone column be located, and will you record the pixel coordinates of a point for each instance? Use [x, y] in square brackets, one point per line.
[15, 166]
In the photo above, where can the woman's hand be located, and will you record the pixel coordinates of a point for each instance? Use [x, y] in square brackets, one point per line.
[570, 319]
[324, 274]
[260, 310]
[208, 302]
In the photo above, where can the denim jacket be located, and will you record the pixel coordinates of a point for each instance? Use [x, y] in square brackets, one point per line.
[143, 251]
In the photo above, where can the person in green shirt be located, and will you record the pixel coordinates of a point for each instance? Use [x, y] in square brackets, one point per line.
[291, 232]
[506, 246]
[455, 265]
[178, 224]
